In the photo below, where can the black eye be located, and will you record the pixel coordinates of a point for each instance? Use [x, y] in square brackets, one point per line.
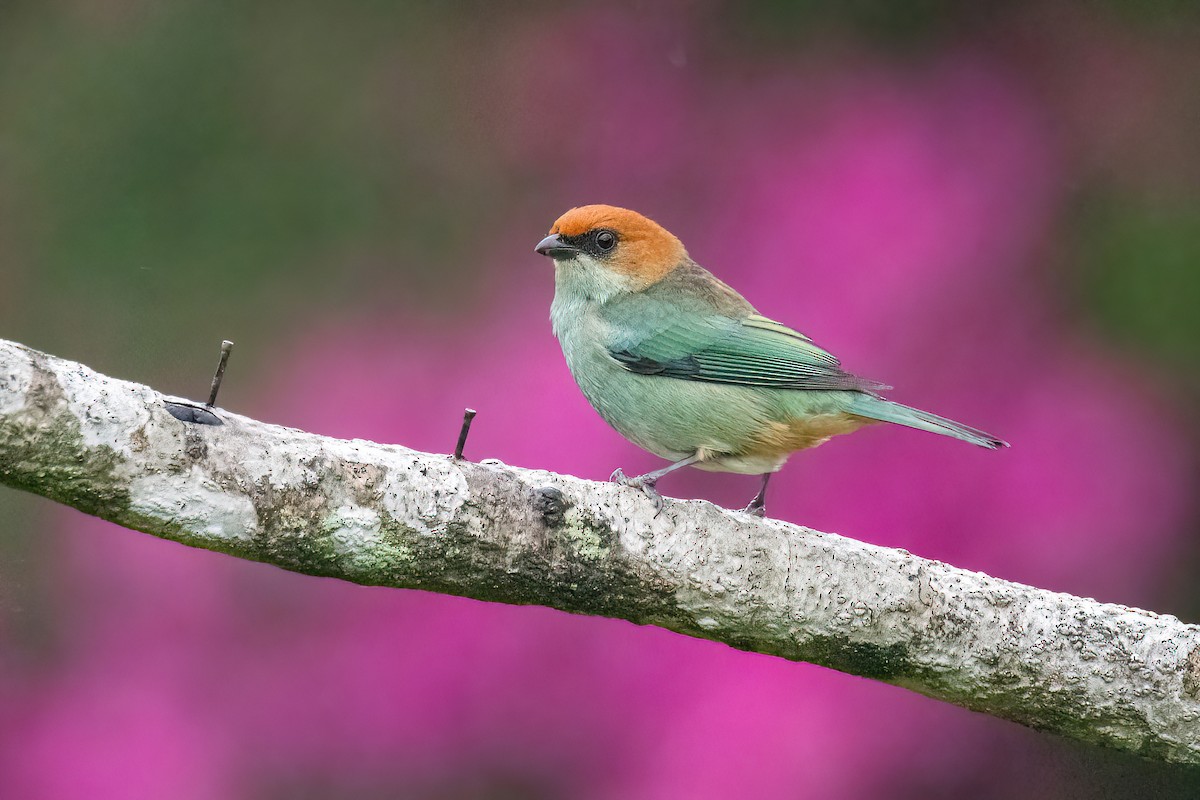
[606, 240]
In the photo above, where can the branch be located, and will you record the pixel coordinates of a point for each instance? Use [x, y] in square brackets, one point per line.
[385, 515]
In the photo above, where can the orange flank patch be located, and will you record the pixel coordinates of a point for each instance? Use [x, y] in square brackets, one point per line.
[781, 438]
[646, 251]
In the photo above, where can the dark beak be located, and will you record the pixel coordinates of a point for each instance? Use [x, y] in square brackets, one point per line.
[555, 247]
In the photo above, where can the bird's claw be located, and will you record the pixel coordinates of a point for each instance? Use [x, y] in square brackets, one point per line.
[755, 509]
[640, 482]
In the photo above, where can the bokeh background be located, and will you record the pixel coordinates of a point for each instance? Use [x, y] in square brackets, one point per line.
[993, 206]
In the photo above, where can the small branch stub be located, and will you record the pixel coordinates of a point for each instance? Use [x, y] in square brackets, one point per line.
[219, 375]
[185, 411]
[468, 416]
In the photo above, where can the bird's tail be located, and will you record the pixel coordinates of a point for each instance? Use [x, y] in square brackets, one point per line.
[865, 405]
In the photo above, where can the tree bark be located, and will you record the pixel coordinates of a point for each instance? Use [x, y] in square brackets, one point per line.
[389, 516]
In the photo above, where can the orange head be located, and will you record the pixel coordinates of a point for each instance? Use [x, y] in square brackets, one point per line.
[616, 239]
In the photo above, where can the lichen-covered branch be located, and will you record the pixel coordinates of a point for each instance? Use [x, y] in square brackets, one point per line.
[389, 516]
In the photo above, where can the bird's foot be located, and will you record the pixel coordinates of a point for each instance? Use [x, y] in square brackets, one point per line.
[757, 508]
[644, 482]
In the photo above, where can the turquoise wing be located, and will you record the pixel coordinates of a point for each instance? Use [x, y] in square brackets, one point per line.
[686, 338]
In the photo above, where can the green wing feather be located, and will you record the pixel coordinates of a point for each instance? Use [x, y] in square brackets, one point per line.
[699, 329]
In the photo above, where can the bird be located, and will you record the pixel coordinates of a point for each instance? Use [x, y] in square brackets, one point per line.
[686, 368]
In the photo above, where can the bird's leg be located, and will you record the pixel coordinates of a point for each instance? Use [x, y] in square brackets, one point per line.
[758, 506]
[648, 481]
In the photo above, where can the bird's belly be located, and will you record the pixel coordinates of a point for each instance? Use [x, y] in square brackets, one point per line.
[674, 418]
[670, 418]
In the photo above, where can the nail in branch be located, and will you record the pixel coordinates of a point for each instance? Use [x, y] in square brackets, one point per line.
[226, 348]
[468, 415]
